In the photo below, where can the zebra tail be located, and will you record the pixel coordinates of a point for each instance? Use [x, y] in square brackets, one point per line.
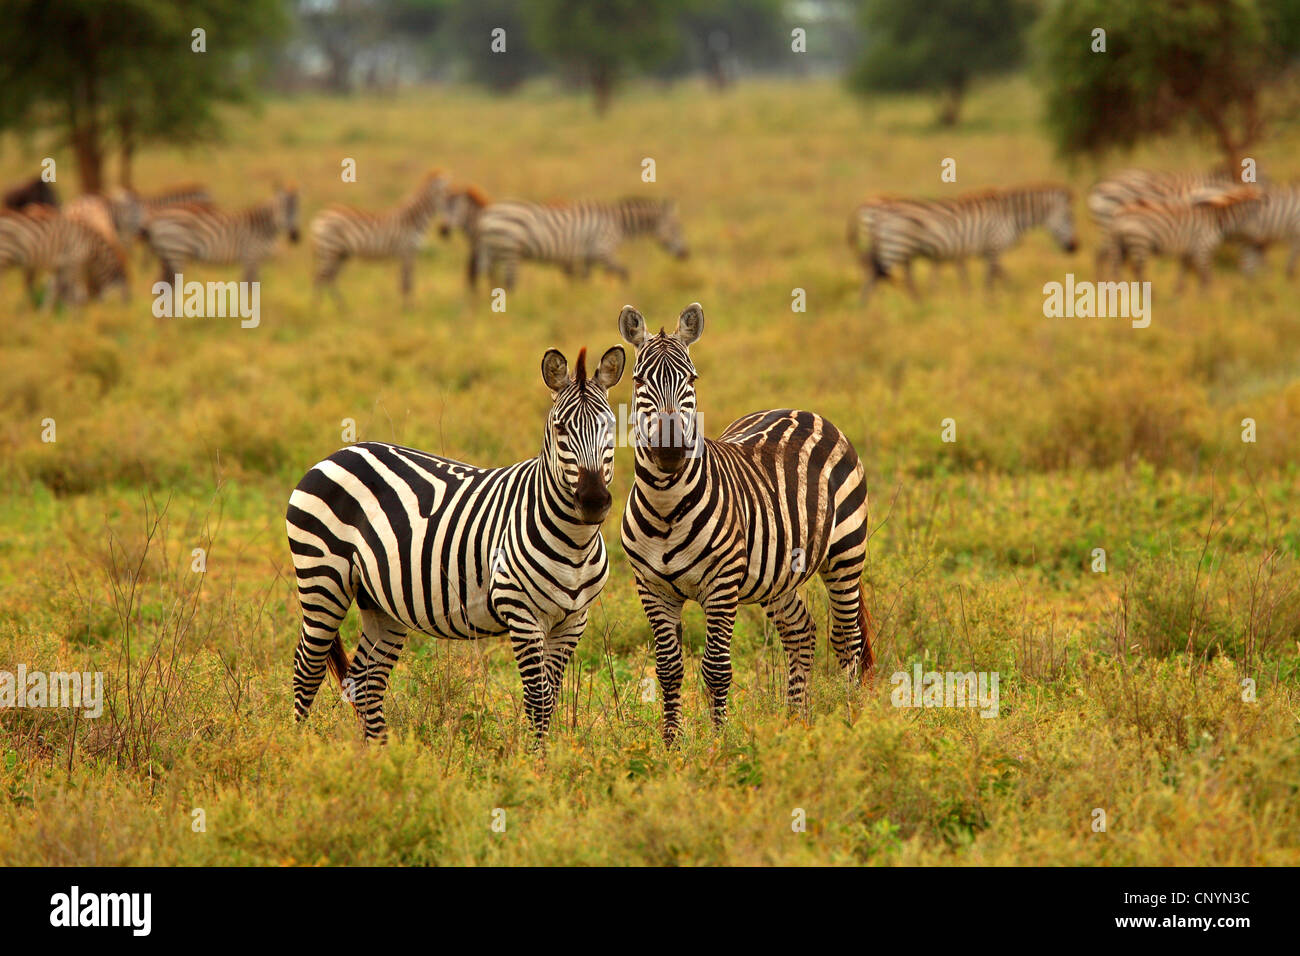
[337, 661]
[867, 629]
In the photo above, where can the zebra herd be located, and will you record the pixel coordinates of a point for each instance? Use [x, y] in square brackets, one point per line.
[184, 225]
[1139, 213]
[421, 542]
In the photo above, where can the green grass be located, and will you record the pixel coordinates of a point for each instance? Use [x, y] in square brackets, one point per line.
[1119, 690]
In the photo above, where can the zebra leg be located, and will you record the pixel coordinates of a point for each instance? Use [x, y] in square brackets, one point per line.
[250, 271]
[324, 606]
[471, 269]
[558, 649]
[610, 264]
[799, 636]
[529, 644]
[720, 623]
[406, 273]
[994, 273]
[908, 282]
[665, 619]
[382, 638]
[1291, 261]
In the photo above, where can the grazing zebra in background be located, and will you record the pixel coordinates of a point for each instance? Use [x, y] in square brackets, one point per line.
[179, 234]
[574, 235]
[339, 233]
[78, 257]
[31, 192]
[949, 230]
[1275, 218]
[464, 205]
[746, 519]
[1190, 231]
[1110, 195]
[428, 544]
[143, 207]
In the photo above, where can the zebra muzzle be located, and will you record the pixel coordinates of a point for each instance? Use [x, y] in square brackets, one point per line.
[591, 499]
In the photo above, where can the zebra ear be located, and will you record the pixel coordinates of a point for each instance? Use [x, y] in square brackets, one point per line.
[690, 324]
[610, 369]
[555, 370]
[631, 324]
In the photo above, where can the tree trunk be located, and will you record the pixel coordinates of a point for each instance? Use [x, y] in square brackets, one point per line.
[86, 147]
[950, 103]
[602, 83]
[125, 152]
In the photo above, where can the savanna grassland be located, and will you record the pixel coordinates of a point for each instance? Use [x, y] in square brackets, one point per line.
[1121, 691]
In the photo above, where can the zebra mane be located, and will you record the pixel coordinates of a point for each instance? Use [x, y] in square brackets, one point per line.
[475, 195]
[580, 371]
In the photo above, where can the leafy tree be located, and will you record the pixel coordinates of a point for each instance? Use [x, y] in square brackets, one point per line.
[127, 72]
[603, 40]
[721, 36]
[1202, 64]
[939, 46]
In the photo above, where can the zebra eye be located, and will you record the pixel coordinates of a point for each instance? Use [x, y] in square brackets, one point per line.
[691, 380]
[638, 381]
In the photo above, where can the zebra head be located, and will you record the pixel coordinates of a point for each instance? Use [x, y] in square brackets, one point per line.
[1058, 219]
[460, 209]
[663, 382]
[285, 209]
[578, 449]
[668, 233]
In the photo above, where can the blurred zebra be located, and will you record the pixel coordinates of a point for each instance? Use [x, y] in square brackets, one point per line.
[339, 233]
[749, 518]
[1275, 218]
[464, 207]
[893, 232]
[1190, 231]
[1128, 186]
[80, 260]
[31, 192]
[423, 543]
[135, 210]
[574, 236]
[179, 234]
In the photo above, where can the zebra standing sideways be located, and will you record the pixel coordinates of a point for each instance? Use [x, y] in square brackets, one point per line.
[178, 234]
[574, 236]
[428, 544]
[77, 257]
[746, 519]
[1275, 218]
[1190, 231]
[949, 230]
[342, 232]
[1110, 195]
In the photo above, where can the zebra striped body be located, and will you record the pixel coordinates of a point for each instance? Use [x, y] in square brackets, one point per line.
[983, 224]
[1275, 218]
[340, 233]
[749, 518]
[1107, 197]
[78, 258]
[574, 236]
[429, 544]
[180, 234]
[1188, 231]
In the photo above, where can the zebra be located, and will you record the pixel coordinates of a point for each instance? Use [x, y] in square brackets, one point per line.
[78, 257]
[31, 192]
[573, 235]
[139, 208]
[342, 232]
[948, 230]
[177, 234]
[749, 518]
[1275, 218]
[424, 543]
[1191, 231]
[1128, 186]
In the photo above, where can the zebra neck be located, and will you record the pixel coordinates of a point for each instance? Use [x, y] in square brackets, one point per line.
[555, 511]
[261, 219]
[417, 211]
[672, 495]
[636, 218]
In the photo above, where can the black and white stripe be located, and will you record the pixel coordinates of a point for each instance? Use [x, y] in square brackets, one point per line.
[749, 518]
[574, 236]
[1188, 231]
[200, 233]
[340, 233]
[893, 232]
[1275, 218]
[429, 544]
[79, 259]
